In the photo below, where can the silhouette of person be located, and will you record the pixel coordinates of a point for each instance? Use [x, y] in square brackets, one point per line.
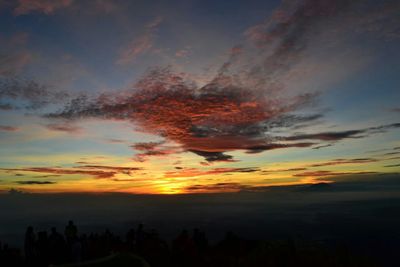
[131, 238]
[71, 232]
[56, 246]
[76, 250]
[42, 248]
[29, 244]
[140, 237]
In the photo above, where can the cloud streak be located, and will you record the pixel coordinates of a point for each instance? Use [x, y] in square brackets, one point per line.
[47, 7]
[35, 182]
[141, 44]
[6, 128]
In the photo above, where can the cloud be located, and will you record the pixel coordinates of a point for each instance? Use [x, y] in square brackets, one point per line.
[261, 148]
[154, 149]
[284, 170]
[330, 173]
[28, 94]
[116, 169]
[14, 56]
[336, 136]
[6, 106]
[218, 187]
[192, 172]
[322, 146]
[213, 156]
[63, 127]
[217, 117]
[182, 53]
[47, 7]
[141, 44]
[248, 97]
[392, 166]
[35, 182]
[13, 62]
[344, 161]
[96, 173]
[6, 128]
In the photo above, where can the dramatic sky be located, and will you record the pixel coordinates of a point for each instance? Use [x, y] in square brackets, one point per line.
[195, 96]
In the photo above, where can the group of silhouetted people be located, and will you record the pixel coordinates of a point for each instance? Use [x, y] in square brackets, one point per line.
[187, 249]
[43, 248]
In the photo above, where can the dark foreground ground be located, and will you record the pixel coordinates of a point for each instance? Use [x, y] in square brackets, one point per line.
[145, 247]
[348, 223]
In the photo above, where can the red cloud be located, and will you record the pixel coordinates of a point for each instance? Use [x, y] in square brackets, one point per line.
[97, 171]
[8, 128]
[63, 127]
[216, 118]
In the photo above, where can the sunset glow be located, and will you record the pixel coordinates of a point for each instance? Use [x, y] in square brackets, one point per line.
[119, 96]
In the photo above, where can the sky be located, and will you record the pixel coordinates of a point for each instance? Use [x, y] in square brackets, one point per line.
[179, 97]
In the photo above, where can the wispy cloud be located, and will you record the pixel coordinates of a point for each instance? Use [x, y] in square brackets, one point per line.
[336, 136]
[28, 94]
[192, 172]
[42, 6]
[64, 127]
[63, 171]
[344, 161]
[35, 182]
[141, 44]
[6, 128]
[330, 173]
[218, 187]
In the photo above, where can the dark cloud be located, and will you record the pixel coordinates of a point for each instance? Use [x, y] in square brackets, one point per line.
[271, 146]
[17, 93]
[322, 146]
[213, 156]
[284, 170]
[48, 176]
[391, 153]
[326, 136]
[6, 107]
[35, 182]
[344, 161]
[191, 172]
[151, 149]
[117, 169]
[329, 173]
[62, 171]
[392, 166]
[7, 128]
[218, 187]
[336, 136]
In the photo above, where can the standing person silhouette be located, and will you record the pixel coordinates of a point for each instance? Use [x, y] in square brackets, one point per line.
[29, 244]
[71, 232]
